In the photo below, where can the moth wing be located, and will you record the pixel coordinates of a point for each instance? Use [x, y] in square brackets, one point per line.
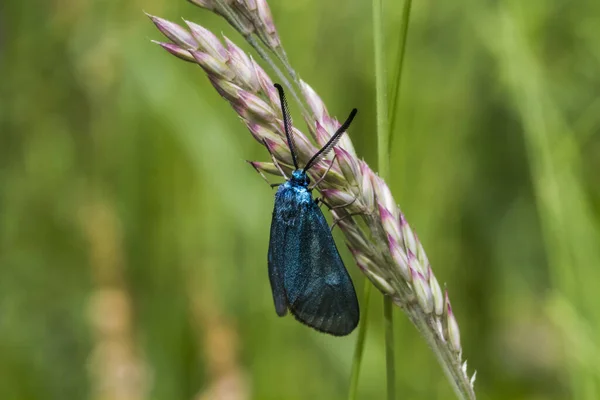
[318, 289]
[276, 258]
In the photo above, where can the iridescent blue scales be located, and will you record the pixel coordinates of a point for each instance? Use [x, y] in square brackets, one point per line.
[306, 272]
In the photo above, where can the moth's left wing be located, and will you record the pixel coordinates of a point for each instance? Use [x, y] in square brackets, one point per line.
[276, 254]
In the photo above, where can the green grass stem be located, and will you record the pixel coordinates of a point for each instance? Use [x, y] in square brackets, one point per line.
[360, 340]
[397, 83]
[383, 166]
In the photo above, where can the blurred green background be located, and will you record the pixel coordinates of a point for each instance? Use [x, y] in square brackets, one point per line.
[133, 235]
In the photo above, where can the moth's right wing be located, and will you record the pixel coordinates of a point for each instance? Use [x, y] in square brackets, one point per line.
[318, 288]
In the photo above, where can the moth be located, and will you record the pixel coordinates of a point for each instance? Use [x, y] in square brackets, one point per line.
[306, 272]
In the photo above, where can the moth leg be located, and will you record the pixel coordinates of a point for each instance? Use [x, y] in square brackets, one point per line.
[323, 176]
[319, 201]
[346, 216]
[275, 161]
[330, 207]
[362, 211]
[263, 175]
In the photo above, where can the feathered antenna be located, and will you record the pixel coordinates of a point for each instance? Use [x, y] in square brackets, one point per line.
[332, 142]
[287, 123]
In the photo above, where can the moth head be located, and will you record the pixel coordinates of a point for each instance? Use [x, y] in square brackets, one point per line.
[299, 177]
